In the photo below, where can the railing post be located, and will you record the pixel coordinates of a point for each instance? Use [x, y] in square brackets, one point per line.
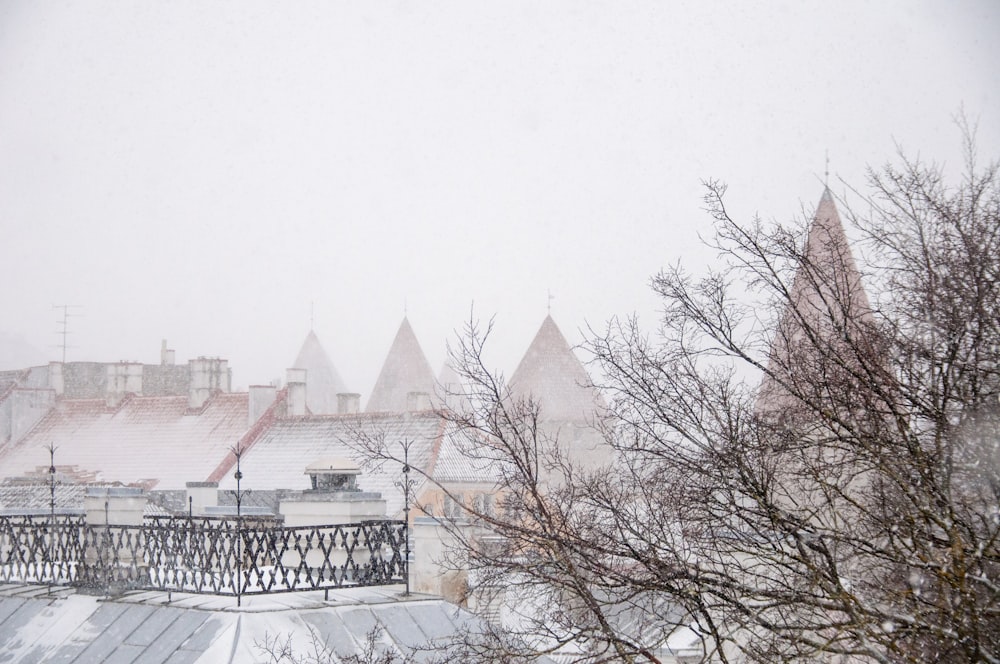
[407, 488]
[52, 509]
[238, 476]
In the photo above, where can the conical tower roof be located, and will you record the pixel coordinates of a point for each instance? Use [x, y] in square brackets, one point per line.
[827, 293]
[830, 273]
[323, 383]
[404, 371]
[553, 375]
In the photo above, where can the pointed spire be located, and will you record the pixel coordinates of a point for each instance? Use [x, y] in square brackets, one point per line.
[829, 255]
[552, 374]
[827, 292]
[405, 372]
[323, 383]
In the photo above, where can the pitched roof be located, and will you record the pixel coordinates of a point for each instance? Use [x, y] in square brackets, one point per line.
[552, 374]
[464, 457]
[58, 624]
[154, 440]
[323, 383]
[36, 497]
[278, 458]
[405, 370]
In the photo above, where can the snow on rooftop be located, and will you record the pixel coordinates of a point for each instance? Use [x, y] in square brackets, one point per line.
[278, 459]
[145, 438]
[36, 625]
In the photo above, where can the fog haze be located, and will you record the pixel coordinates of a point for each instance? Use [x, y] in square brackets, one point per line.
[225, 175]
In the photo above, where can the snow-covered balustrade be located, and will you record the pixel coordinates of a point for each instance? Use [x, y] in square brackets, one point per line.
[222, 556]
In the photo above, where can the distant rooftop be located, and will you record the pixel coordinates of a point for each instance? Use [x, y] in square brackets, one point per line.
[405, 371]
[552, 374]
[323, 383]
[154, 439]
[42, 624]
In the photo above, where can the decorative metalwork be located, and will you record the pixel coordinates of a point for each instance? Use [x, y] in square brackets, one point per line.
[201, 555]
[407, 487]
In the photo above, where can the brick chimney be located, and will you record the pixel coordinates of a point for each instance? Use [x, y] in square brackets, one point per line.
[296, 382]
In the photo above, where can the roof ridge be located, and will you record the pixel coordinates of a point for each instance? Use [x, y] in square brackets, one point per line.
[250, 438]
[21, 375]
[127, 399]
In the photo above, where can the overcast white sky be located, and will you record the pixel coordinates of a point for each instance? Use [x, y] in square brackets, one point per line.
[203, 171]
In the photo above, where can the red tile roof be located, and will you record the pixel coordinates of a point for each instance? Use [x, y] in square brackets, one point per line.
[145, 439]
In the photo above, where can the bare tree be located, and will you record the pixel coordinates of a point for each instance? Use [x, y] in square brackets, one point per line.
[278, 650]
[804, 469]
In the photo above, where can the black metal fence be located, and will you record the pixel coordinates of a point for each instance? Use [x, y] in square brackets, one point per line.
[201, 554]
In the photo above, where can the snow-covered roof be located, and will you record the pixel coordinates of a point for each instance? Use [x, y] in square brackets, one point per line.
[463, 456]
[278, 458]
[157, 441]
[40, 624]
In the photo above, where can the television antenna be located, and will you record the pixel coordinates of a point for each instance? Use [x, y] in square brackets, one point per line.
[63, 324]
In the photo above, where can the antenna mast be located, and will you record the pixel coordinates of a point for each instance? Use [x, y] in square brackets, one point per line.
[64, 325]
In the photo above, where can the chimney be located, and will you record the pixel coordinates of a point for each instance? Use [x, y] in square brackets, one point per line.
[208, 375]
[418, 401]
[261, 398]
[123, 378]
[296, 381]
[348, 403]
[56, 381]
[201, 495]
[334, 497]
[122, 505]
[166, 354]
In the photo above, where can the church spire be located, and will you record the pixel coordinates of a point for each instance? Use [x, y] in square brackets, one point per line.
[826, 302]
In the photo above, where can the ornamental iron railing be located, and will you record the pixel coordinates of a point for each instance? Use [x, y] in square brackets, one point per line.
[220, 556]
